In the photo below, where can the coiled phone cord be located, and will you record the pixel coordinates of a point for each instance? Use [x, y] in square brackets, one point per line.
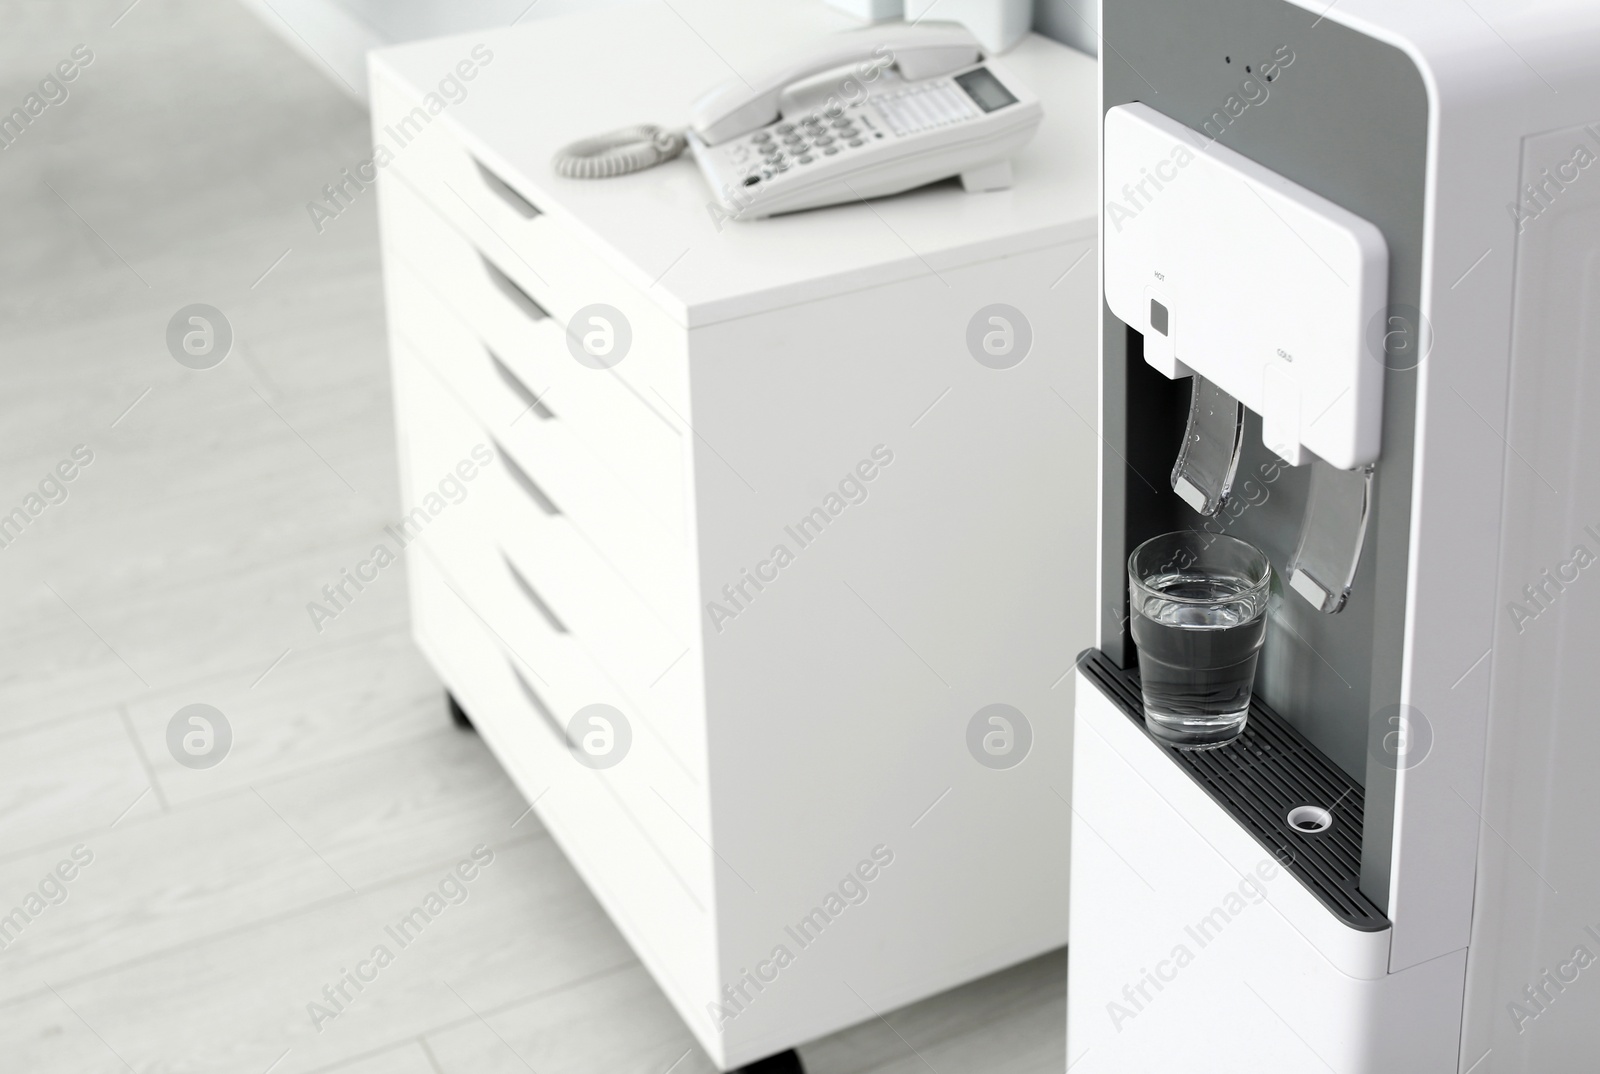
[631, 149]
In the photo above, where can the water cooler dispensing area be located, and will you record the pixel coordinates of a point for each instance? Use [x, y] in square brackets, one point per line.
[1230, 905]
[1264, 288]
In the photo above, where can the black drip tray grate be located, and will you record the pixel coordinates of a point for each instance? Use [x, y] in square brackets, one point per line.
[1268, 771]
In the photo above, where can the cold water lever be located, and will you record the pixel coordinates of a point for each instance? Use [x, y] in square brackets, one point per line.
[1203, 475]
[1323, 567]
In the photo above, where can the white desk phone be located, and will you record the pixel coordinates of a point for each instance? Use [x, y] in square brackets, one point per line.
[869, 113]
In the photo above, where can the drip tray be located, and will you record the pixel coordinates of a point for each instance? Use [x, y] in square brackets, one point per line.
[1259, 778]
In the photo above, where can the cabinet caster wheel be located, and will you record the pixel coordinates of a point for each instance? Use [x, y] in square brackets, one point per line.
[458, 715]
[783, 1063]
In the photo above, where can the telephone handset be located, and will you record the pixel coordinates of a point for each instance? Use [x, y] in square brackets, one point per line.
[734, 108]
[868, 113]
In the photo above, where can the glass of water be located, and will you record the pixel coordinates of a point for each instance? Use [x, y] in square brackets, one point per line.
[1199, 614]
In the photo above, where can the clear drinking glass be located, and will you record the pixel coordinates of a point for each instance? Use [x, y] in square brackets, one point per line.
[1199, 614]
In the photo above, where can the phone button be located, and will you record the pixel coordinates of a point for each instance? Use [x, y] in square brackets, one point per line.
[805, 160]
[785, 128]
[855, 141]
[832, 150]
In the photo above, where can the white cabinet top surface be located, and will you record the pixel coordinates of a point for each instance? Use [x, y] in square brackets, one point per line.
[552, 81]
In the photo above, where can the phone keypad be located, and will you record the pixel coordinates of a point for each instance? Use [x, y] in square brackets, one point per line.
[800, 140]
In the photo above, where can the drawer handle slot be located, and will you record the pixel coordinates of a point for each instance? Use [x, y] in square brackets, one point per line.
[537, 704]
[533, 596]
[517, 385]
[502, 189]
[513, 290]
[528, 484]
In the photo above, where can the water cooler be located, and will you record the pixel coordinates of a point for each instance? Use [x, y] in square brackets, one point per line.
[1351, 266]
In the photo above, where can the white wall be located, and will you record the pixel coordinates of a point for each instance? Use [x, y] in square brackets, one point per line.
[337, 34]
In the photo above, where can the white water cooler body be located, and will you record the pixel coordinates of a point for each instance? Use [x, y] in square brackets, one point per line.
[1376, 226]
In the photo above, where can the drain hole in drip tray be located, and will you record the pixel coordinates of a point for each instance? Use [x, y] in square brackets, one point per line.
[1310, 819]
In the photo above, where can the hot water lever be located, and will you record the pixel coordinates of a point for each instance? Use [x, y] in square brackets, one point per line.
[1203, 474]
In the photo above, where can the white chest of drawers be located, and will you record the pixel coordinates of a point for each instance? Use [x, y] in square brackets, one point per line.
[790, 528]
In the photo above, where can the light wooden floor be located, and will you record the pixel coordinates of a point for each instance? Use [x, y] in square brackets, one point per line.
[219, 902]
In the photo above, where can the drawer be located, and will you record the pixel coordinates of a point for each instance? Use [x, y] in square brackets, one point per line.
[585, 430]
[580, 635]
[451, 513]
[574, 588]
[626, 828]
[631, 536]
[549, 258]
